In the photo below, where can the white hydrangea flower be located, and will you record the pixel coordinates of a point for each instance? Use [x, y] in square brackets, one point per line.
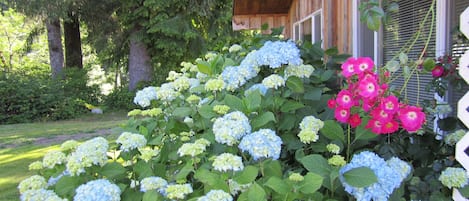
[214, 85]
[226, 161]
[153, 183]
[40, 194]
[182, 83]
[91, 152]
[235, 48]
[191, 149]
[178, 191]
[216, 195]
[53, 158]
[131, 141]
[34, 182]
[167, 92]
[273, 81]
[173, 75]
[69, 145]
[310, 127]
[145, 96]
[301, 71]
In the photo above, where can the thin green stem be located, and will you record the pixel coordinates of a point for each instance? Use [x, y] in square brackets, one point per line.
[348, 142]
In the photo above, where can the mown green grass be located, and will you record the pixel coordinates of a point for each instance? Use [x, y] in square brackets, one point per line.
[14, 161]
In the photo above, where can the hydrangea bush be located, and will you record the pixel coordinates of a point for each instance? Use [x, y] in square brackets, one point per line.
[265, 120]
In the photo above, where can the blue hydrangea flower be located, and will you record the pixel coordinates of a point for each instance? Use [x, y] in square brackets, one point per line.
[388, 178]
[216, 195]
[98, 190]
[129, 141]
[145, 96]
[275, 54]
[260, 87]
[39, 195]
[262, 144]
[231, 127]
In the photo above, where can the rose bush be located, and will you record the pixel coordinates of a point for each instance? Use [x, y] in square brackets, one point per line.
[250, 123]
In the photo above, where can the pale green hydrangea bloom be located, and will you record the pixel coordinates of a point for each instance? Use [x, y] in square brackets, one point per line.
[235, 48]
[34, 182]
[454, 177]
[337, 160]
[333, 148]
[301, 71]
[226, 161]
[185, 138]
[187, 66]
[36, 165]
[273, 81]
[453, 138]
[134, 112]
[153, 183]
[53, 158]
[193, 99]
[178, 191]
[182, 83]
[91, 152]
[69, 145]
[131, 141]
[148, 153]
[214, 85]
[167, 92]
[221, 109]
[210, 56]
[173, 75]
[216, 195]
[40, 195]
[202, 141]
[296, 177]
[308, 136]
[191, 149]
[310, 127]
[152, 112]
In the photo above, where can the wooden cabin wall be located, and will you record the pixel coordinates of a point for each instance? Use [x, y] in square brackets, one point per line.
[243, 22]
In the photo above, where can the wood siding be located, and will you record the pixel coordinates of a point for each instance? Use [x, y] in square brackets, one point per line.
[336, 21]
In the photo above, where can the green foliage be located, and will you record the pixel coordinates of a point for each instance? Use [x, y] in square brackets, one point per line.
[119, 98]
[37, 98]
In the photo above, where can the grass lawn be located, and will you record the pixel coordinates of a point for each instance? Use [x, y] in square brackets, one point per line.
[20, 150]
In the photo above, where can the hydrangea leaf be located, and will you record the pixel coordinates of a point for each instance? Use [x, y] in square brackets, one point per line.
[262, 120]
[184, 171]
[291, 106]
[182, 112]
[256, 193]
[360, 177]
[311, 183]
[247, 175]
[204, 67]
[317, 164]
[278, 185]
[143, 169]
[211, 179]
[313, 94]
[152, 196]
[364, 134]
[272, 168]
[66, 185]
[113, 170]
[234, 102]
[464, 191]
[295, 84]
[333, 130]
[253, 100]
[206, 111]
[327, 75]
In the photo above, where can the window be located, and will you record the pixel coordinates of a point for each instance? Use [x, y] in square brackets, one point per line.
[365, 41]
[309, 29]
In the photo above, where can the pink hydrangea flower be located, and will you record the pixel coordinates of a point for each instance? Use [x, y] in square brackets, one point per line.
[342, 114]
[363, 64]
[438, 71]
[348, 67]
[390, 104]
[344, 99]
[412, 118]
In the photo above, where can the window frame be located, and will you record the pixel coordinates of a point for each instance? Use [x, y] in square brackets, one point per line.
[312, 17]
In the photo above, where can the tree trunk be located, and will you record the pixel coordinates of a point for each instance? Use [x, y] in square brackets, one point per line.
[56, 53]
[140, 68]
[73, 53]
